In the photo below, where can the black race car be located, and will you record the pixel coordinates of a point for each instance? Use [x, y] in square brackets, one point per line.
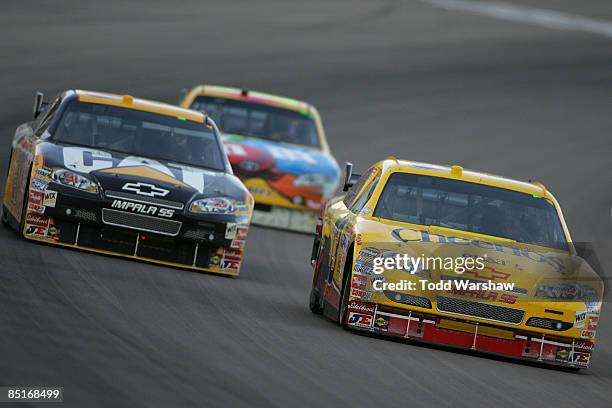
[128, 177]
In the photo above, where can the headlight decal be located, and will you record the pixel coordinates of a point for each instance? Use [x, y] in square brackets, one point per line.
[213, 205]
[75, 180]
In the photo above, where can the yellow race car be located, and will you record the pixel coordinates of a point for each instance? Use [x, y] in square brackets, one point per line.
[277, 147]
[457, 258]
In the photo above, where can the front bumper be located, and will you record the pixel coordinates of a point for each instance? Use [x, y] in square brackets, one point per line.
[464, 334]
[80, 220]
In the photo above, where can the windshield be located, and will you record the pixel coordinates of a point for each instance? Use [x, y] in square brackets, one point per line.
[260, 121]
[140, 133]
[471, 207]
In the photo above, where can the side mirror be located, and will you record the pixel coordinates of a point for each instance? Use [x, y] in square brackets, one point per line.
[182, 94]
[349, 178]
[38, 103]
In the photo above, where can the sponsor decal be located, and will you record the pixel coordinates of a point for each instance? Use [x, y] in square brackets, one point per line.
[584, 345]
[362, 268]
[360, 320]
[232, 254]
[230, 230]
[381, 323]
[49, 199]
[580, 319]
[582, 359]
[587, 334]
[562, 354]
[38, 184]
[237, 244]
[44, 173]
[145, 209]
[145, 189]
[362, 307]
[53, 232]
[230, 265]
[591, 322]
[592, 307]
[35, 230]
[37, 219]
[362, 294]
[36, 197]
[359, 282]
[215, 261]
[35, 208]
[241, 233]
[368, 254]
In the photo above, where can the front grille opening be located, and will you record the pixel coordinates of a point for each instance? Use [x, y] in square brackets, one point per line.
[408, 299]
[550, 324]
[140, 222]
[85, 215]
[480, 310]
[199, 234]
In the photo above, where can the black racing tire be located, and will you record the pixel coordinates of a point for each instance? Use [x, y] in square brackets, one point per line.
[26, 199]
[315, 302]
[4, 217]
[346, 290]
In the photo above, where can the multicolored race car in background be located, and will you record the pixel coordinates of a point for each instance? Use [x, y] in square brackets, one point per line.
[277, 147]
[125, 176]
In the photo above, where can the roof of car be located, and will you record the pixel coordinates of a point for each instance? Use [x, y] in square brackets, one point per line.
[128, 101]
[253, 96]
[458, 173]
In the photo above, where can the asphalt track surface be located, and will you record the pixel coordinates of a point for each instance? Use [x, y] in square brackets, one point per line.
[390, 77]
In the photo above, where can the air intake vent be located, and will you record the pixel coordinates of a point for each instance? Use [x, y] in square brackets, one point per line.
[408, 299]
[480, 310]
[550, 324]
[140, 222]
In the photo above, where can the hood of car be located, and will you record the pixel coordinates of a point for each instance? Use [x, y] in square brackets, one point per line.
[534, 272]
[142, 176]
[283, 174]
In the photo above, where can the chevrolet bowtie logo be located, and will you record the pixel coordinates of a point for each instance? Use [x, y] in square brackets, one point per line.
[146, 189]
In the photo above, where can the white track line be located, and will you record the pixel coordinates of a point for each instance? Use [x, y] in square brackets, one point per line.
[528, 15]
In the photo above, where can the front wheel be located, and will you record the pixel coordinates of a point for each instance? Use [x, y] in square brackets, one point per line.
[346, 290]
[315, 302]
[5, 216]
[24, 208]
